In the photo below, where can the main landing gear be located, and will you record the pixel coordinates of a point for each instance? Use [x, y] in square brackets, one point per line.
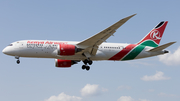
[18, 61]
[85, 66]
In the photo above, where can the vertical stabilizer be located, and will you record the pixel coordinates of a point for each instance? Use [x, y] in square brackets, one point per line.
[153, 38]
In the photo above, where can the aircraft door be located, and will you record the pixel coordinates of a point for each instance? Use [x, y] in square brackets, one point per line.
[20, 44]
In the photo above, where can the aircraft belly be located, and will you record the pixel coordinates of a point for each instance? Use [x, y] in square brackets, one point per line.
[73, 57]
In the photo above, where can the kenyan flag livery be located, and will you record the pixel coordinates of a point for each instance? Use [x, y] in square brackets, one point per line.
[152, 39]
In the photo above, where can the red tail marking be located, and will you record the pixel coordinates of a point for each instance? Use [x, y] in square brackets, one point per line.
[155, 34]
[123, 52]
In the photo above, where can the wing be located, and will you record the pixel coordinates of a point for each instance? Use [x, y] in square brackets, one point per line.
[91, 44]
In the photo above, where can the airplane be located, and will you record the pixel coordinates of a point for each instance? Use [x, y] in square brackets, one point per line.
[95, 48]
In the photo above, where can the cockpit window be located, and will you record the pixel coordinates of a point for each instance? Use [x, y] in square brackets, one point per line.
[10, 45]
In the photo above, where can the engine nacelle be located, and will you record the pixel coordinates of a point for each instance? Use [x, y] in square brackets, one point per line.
[64, 63]
[66, 49]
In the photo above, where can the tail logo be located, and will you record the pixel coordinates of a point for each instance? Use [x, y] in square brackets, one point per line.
[155, 35]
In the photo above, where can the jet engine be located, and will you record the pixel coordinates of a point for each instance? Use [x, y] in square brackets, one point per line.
[64, 63]
[66, 49]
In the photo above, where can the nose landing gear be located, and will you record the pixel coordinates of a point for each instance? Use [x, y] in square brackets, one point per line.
[85, 66]
[18, 61]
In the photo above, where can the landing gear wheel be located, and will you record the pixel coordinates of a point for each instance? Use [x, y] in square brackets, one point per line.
[83, 67]
[87, 68]
[87, 61]
[18, 61]
[90, 62]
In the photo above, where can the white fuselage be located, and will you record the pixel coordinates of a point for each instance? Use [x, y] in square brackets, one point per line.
[48, 49]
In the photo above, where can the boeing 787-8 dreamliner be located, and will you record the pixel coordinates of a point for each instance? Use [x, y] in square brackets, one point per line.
[95, 48]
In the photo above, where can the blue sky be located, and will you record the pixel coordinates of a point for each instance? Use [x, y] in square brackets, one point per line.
[150, 79]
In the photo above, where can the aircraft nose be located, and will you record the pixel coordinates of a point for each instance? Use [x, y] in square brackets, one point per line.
[5, 51]
[8, 51]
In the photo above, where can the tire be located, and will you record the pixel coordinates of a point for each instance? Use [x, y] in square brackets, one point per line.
[83, 67]
[18, 61]
[87, 68]
[85, 62]
[90, 62]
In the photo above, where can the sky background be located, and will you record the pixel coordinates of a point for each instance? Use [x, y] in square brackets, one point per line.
[150, 79]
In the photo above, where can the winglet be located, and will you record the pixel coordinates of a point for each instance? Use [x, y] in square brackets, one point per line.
[159, 48]
[122, 21]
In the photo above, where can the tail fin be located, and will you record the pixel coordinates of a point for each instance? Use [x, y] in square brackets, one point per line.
[153, 38]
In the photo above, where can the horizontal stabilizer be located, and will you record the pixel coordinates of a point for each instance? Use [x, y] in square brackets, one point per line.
[159, 48]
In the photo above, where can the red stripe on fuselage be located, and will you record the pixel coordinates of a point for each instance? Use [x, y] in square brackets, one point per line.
[123, 52]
